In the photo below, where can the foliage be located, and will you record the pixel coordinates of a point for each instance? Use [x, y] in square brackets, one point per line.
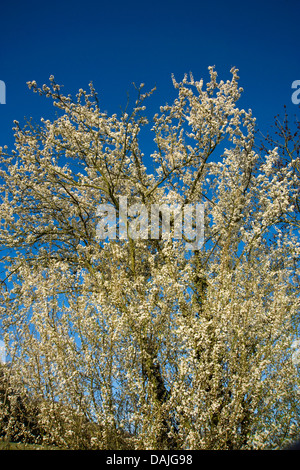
[18, 412]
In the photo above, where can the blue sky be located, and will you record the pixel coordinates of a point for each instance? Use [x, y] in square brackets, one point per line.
[116, 43]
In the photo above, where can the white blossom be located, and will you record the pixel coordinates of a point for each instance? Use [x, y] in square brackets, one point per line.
[137, 343]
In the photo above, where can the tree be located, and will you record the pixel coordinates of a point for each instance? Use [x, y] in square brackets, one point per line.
[284, 136]
[156, 345]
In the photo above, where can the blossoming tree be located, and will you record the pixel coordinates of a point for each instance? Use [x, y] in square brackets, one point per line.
[140, 343]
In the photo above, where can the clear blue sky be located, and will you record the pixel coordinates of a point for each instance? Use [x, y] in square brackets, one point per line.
[115, 43]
